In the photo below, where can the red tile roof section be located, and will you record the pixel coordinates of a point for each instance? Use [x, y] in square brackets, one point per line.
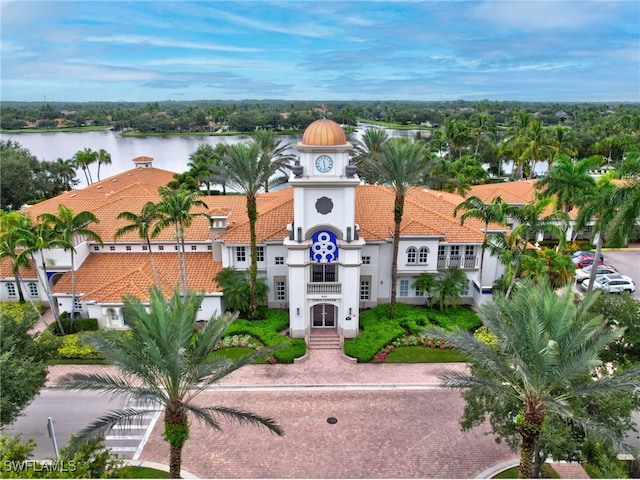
[106, 277]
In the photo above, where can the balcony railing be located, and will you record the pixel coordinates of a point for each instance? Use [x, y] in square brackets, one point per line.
[467, 262]
[324, 288]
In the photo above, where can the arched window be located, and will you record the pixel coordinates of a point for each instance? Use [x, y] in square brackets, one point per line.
[423, 255]
[411, 255]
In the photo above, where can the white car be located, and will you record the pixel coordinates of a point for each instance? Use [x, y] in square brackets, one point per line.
[612, 283]
[584, 273]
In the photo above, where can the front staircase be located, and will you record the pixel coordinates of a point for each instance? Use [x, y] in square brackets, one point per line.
[324, 339]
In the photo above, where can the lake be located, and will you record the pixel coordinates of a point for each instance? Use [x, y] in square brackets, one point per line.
[169, 153]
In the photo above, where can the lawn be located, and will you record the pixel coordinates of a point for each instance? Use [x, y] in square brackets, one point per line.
[141, 472]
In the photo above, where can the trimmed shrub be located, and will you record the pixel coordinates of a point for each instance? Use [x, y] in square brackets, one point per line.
[268, 332]
[455, 317]
[378, 331]
[72, 347]
[48, 344]
[79, 325]
[16, 309]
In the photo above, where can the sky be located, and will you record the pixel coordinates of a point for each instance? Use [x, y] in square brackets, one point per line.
[144, 51]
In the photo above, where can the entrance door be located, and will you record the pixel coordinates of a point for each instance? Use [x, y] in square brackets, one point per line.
[323, 316]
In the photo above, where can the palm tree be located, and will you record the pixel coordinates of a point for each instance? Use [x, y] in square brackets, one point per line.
[547, 354]
[614, 213]
[561, 142]
[514, 138]
[104, 158]
[174, 210]
[10, 244]
[67, 227]
[402, 163]
[162, 361]
[249, 171]
[482, 124]
[367, 150]
[83, 159]
[627, 202]
[449, 286]
[142, 224]
[535, 145]
[36, 239]
[494, 212]
[202, 164]
[274, 151]
[533, 222]
[568, 180]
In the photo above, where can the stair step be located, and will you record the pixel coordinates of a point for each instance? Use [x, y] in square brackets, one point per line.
[324, 342]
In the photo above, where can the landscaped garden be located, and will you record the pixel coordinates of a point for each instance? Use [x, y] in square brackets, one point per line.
[406, 338]
[240, 338]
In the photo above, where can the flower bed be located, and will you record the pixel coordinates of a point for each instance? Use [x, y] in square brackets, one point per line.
[410, 341]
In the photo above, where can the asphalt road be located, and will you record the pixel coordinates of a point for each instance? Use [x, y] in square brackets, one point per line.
[71, 411]
[627, 261]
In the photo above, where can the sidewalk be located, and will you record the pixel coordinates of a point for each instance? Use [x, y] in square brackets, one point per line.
[324, 369]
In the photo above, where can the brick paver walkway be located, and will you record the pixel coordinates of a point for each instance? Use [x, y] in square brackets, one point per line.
[393, 421]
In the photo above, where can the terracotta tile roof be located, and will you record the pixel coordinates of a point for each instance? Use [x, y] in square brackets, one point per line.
[106, 277]
[7, 272]
[515, 193]
[427, 212]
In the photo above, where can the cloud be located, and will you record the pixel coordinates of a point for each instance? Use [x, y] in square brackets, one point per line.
[158, 42]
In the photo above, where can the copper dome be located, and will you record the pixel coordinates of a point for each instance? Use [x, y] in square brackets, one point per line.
[324, 132]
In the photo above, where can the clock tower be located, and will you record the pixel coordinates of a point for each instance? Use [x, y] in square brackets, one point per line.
[324, 246]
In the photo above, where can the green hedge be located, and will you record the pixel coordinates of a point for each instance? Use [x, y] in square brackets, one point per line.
[79, 325]
[378, 330]
[17, 309]
[268, 332]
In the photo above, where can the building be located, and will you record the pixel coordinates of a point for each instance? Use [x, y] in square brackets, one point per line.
[324, 244]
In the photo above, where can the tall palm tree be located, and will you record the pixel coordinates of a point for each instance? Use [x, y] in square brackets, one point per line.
[35, 239]
[275, 152]
[614, 213]
[162, 361]
[562, 141]
[103, 158]
[482, 124]
[627, 201]
[67, 228]
[202, 164]
[367, 150]
[142, 224]
[532, 222]
[514, 138]
[494, 212]
[535, 145]
[402, 163]
[568, 180]
[249, 171]
[83, 159]
[547, 353]
[174, 210]
[10, 244]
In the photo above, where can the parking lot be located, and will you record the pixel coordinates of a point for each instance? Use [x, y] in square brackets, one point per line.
[627, 261]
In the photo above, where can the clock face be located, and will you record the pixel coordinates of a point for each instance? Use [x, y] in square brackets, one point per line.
[324, 163]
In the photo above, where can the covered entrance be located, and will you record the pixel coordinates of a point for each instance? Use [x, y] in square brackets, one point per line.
[323, 315]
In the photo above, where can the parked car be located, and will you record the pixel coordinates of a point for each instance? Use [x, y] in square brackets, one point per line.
[584, 273]
[612, 283]
[584, 261]
[586, 253]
